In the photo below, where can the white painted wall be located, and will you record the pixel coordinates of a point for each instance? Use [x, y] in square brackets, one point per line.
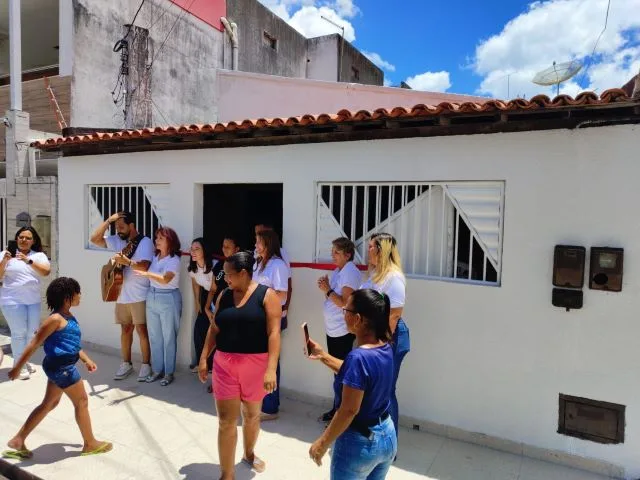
[322, 59]
[243, 95]
[484, 359]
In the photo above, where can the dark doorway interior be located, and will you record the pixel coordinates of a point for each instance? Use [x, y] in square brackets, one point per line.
[236, 208]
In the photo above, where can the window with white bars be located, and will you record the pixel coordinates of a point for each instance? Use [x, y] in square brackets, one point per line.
[445, 230]
[147, 202]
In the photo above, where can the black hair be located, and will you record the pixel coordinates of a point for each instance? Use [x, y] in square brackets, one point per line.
[208, 257]
[129, 218]
[37, 243]
[375, 308]
[242, 261]
[233, 237]
[61, 290]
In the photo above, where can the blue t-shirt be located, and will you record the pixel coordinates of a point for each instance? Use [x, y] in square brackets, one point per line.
[370, 370]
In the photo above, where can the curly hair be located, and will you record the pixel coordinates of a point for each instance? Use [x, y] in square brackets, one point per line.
[61, 290]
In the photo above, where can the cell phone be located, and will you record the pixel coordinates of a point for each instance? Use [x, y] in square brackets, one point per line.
[305, 332]
[12, 247]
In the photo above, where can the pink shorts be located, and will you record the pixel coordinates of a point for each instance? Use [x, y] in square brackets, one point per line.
[239, 375]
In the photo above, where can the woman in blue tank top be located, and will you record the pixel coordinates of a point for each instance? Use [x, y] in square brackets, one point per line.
[60, 334]
[363, 431]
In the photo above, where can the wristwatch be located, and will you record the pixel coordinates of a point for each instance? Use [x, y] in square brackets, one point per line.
[328, 294]
[30, 262]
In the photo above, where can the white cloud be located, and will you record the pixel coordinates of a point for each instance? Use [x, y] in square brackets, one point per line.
[379, 61]
[561, 30]
[387, 82]
[306, 16]
[430, 81]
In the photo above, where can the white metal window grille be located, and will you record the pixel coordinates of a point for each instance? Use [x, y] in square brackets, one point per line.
[449, 230]
[148, 203]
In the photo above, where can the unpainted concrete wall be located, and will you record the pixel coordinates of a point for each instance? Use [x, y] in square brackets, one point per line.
[183, 72]
[322, 54]
[369, 73]
[255, 55]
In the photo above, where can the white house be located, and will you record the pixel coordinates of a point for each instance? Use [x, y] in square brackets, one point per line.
[478, 196]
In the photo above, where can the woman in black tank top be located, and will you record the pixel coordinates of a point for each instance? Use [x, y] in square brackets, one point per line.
[246, 335]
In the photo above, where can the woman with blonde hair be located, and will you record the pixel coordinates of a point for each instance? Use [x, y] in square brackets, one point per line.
[386, 276]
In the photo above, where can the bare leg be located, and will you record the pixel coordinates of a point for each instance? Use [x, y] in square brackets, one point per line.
[50, 401]
[250, 430]
[228, 413]
[126, 339]
[78, 395]
[144, 343]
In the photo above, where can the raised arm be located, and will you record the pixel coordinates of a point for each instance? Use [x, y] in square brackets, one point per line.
[97, 237]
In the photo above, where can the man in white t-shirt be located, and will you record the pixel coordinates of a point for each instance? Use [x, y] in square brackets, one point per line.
[130, 312]
[285, 257]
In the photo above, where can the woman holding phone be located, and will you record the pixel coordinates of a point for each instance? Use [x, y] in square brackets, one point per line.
[22, 267]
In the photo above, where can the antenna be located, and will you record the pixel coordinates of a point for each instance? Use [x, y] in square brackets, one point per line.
[557, 73]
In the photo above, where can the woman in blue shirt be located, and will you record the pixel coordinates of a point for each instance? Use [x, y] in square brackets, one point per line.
[364, 435]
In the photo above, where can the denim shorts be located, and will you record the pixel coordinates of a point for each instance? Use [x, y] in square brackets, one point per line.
[356, 457]
[62, 372]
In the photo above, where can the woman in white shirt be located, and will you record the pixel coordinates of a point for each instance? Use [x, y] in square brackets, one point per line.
[201, 272]
[164, 305]
[21, 271]
[270, 270]
[385, 276]
[337, 289]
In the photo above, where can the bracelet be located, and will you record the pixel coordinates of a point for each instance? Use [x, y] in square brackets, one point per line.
[328, 294]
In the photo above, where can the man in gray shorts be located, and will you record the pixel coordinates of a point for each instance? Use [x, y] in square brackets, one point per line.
[130, 310]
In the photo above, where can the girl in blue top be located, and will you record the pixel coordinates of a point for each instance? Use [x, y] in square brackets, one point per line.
[363, 431]
[60, 334]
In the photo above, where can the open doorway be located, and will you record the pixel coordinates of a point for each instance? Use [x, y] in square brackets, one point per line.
[236, 208]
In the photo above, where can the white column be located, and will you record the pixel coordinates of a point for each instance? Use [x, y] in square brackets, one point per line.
[15, 55]
[65, 37]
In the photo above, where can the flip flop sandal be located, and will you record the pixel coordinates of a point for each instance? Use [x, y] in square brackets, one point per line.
[104, 448]
[257, 465]
[17, 454]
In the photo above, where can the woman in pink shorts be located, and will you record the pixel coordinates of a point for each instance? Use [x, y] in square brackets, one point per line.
[246, 335]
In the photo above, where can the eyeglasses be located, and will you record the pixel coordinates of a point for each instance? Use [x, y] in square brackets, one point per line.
[26, 239]
[345, 310]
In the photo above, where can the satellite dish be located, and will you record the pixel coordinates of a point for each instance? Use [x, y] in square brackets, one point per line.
[557, 73]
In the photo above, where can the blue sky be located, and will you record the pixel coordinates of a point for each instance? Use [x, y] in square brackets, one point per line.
[483, 47]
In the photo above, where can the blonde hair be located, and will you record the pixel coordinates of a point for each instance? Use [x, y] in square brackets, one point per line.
[388, 257]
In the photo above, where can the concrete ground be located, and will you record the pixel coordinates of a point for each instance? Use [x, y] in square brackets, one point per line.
[170, 433]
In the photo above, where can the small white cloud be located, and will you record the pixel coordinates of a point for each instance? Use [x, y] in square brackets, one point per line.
[430, 81]
[345, 8]
[309, 22]
[387, 82]
[379, 61]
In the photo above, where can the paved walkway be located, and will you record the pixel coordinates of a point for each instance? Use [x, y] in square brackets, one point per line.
[170, 433]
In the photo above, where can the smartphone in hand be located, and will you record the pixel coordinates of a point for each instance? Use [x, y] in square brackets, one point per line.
[12, 247]
[305, 332]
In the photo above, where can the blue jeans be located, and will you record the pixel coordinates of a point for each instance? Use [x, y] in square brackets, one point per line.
[401, 346]
[164, 308]
[23, 322]
[357, 457]
[271, 401]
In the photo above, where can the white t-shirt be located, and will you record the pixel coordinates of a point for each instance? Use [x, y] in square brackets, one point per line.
[349, 277]
[162, 266]
[134, 288]
[203, 279]
[394, 286]
[275, 275]
[285, 258]
[21, 283]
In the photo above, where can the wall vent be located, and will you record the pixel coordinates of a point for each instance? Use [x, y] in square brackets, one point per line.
[600, 422]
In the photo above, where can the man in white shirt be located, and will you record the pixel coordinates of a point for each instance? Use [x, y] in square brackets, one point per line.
[130, 311]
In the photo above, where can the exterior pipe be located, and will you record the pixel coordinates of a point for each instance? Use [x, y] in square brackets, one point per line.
[232, 30]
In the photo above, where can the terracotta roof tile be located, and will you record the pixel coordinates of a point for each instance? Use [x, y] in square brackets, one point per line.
[537, 103]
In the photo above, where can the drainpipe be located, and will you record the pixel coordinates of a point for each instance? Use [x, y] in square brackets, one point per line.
[232, 30]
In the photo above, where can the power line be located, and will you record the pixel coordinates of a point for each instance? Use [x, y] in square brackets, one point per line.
[606, 20]
[155, 56]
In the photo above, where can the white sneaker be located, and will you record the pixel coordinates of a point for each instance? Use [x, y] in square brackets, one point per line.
[145, 371]
[24, 374]
[31, 369]
[124, 371]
